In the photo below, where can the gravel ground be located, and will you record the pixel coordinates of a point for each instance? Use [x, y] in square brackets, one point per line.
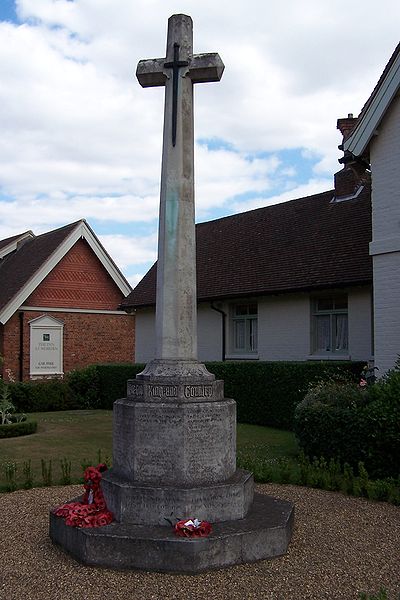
[341, 546]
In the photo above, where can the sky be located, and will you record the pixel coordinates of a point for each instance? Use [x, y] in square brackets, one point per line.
[80, 138]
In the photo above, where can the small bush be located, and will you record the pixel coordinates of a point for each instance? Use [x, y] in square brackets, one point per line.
[339, 420]
[18, 429]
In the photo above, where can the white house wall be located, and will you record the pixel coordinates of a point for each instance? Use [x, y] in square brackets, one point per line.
[385, 246]
[209, 333]
[284, 328]
[145, 335]
[360, 324]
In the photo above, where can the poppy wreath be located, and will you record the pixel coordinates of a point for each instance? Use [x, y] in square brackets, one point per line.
[192, 529]
[92, 510]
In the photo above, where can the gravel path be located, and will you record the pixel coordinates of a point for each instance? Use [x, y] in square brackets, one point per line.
[341, 546]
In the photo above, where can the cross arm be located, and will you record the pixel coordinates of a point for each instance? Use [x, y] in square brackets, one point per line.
[150, 72]
[206, 67]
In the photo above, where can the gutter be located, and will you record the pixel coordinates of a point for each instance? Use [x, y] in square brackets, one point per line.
[223, 315]
[21, 346]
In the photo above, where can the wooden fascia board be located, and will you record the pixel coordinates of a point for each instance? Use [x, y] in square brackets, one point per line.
[367, 126]
[81, 230]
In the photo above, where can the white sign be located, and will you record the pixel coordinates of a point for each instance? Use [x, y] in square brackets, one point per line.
[46, 347]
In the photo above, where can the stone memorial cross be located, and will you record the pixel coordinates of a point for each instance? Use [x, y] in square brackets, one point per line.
[174, 440]
[176, 307]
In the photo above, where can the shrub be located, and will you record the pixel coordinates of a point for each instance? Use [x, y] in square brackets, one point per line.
[42, 396]
[18, 429]
[341, 421]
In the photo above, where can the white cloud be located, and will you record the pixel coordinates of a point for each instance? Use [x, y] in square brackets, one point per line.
[314, 186]
[81, 138]
[130, 250]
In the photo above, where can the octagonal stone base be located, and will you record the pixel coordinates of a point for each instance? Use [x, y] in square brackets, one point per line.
[263, 534]
[152, 505]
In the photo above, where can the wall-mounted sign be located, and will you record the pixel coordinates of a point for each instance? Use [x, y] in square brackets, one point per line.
[46, 347]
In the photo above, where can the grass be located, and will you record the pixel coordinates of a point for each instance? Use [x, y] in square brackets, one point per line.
[77, 436]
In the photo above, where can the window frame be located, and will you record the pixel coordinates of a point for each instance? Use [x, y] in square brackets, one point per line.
[333, 313]
[249, 318]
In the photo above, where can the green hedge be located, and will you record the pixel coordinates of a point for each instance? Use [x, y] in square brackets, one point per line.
[17, 429]
[266, 393]
[43, 396]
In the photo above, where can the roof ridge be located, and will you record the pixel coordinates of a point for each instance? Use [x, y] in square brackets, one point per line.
[268, 206]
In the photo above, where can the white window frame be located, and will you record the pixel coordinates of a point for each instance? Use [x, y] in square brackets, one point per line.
[332, 313]
[249, 322]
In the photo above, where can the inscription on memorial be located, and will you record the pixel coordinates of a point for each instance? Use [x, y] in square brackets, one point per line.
[136, 390]
[162, 391]
[198, 391]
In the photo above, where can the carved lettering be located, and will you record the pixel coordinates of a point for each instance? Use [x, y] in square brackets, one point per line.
[162, 391]
[198, 391]
[136, 390]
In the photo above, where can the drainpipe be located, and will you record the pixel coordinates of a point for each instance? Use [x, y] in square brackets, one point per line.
[224, 315]
[21, 346]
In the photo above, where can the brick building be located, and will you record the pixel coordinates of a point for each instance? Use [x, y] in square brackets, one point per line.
[60, 296]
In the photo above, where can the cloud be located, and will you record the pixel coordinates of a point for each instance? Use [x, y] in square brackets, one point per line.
[81, 138]
[126, 250]
[314, 186]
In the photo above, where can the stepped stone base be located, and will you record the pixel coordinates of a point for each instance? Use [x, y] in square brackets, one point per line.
[263, 534]
[151, 505]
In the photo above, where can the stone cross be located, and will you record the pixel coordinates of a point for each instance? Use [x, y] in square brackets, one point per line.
[176, 305]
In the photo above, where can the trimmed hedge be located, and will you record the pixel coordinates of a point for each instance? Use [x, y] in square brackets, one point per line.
[42, 396]
[18, 429]
[266, 393]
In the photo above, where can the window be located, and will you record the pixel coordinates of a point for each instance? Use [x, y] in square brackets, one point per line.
[330, 325]
[244, 328]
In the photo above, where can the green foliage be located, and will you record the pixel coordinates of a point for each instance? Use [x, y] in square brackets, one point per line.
[267, 393]
[6, 406]
[47, 472]
[339, 420]
[381, 595]
[65, 465]
[10, 470]
[27, 472]
[18, 429]
[42, 396]
[84, 386]
[112, 382]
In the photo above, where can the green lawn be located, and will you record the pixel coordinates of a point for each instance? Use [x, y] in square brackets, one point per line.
[80, 435]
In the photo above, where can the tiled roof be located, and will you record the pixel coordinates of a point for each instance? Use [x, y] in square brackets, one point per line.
[18, 267]
[305, 244]
[6, 242]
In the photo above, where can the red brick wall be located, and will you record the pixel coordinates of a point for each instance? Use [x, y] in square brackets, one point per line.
[78, 281]
[88, 339]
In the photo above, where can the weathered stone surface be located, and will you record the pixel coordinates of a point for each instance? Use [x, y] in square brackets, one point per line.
[169, 389]
[152, 505]
[264, 533]
[182, 371]
[188, 444]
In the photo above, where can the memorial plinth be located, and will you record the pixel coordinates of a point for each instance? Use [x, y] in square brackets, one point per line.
[174, 439]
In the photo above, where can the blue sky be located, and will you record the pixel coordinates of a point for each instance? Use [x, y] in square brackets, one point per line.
[81, 138]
